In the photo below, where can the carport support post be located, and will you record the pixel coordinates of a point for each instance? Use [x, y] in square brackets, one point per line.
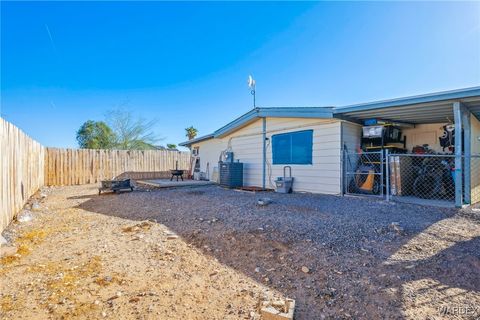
[467, 153]
[457, 115]
[264, 162]
[387, 173]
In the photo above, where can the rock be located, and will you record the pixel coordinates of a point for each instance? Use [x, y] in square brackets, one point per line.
[172, 236]
[305, 269]
[36, 206]
[3, 241]
[257, 269]
[264, 201]
[281, 311]
[395, 226]
[25, 216]
[116, 296]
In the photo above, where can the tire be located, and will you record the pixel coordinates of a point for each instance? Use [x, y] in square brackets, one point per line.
[427, 186]
[376, 186]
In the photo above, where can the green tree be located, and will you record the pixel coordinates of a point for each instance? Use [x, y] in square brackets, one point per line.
[131, 133]
[191, 132]
[95, 135]
[171, 146]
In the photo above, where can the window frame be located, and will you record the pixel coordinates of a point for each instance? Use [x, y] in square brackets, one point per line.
[291, 161]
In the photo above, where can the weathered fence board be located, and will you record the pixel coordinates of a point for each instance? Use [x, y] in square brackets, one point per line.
[22, 165]
[82, 166]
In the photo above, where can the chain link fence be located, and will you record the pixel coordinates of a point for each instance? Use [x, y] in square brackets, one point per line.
[416, 178]
[364, 173]
[422, 176]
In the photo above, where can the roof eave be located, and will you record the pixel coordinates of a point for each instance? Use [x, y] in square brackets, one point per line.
[275, 112]
[427, 98]
[196, 140]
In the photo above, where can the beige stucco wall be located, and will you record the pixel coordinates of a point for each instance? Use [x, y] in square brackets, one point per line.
[323, 176]
[475, 161]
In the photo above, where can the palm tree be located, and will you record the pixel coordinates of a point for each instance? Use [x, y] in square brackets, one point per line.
[191, 132]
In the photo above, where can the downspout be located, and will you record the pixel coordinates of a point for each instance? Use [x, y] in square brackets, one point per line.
[264, 160]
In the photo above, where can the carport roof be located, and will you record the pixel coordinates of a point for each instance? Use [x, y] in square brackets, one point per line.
[427, 108]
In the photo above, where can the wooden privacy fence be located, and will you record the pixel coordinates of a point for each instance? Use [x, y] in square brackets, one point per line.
[81, 166]
[25, 166]
[22, 165]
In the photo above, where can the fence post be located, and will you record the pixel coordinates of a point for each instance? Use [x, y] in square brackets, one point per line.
[387, 172]
[342, 163]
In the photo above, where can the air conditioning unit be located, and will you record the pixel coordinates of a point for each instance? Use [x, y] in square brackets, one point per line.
[231, 174]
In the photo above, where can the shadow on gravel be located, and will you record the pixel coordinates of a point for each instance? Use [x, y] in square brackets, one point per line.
[346, 244]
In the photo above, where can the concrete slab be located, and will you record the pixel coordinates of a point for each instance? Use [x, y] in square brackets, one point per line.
[425, 202]
[166, 183]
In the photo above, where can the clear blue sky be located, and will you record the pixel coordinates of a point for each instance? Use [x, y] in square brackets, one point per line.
[187, 63]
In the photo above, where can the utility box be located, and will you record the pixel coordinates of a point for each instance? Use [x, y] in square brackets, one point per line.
[284, 184]
[231, 174]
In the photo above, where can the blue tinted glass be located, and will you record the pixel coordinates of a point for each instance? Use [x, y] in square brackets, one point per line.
[293, 147]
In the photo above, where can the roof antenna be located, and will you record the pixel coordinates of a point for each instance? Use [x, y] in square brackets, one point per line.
[251, 85]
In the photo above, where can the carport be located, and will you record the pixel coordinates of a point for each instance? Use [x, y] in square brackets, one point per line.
[460, 107]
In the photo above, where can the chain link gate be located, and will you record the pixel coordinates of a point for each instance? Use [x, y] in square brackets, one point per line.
[413, 178]
[364, 173]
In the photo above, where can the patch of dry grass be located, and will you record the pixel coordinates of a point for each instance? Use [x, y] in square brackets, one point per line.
[7, 303]
[65, 286]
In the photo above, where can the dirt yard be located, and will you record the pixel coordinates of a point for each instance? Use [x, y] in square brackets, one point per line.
[210, 253]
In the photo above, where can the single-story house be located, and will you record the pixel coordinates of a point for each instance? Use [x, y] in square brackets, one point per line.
[311, 139]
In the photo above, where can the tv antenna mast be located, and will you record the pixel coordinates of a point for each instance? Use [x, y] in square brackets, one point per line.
[251, 85]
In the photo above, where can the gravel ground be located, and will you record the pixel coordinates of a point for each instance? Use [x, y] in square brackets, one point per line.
[338, 257]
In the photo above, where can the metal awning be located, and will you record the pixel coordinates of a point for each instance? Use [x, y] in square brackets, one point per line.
[431, 108]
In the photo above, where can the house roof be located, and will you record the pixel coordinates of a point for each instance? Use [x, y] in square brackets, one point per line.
[191, 141]
[427, 108]
[273, 112]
